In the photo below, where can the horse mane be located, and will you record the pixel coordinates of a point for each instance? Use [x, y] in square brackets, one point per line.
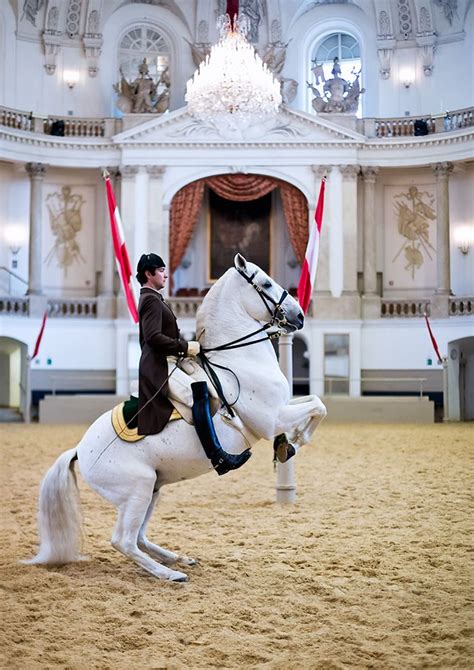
[213, 297]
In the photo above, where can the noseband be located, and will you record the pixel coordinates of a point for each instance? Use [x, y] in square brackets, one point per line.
[278, 317]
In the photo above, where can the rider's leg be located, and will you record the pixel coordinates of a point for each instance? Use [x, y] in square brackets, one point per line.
[220, 459]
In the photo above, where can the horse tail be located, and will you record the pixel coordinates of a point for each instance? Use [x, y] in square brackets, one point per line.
[59, 518]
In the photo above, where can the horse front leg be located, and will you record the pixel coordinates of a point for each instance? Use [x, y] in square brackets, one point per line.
[163, 555]
[299, 419]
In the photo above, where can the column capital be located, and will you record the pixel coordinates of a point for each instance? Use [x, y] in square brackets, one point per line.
[114, 171]
[350, 172]
[442, 170]
[321, 171]
[129, 171]
[155, 171]
[369, 173]
[36, 170]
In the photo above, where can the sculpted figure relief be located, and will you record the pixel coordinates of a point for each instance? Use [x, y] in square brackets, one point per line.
[144, 95]
[339, 95]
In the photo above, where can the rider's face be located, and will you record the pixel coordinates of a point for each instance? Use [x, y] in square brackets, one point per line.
[158, 279]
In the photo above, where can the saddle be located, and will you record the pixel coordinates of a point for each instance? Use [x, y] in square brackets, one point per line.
[125, 421]
[124, 416]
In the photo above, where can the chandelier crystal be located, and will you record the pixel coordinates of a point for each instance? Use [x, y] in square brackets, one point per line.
[233, 88]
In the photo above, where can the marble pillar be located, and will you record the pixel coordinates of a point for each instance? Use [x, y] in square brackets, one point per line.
[350, 299]
[440, 301]
[322, 286]
[106, 303]
[37, 301]
[127, 208]
[370, 299]
[155, 210]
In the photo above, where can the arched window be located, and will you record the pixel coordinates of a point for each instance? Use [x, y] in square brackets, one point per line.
[139, 43]
[346, 48]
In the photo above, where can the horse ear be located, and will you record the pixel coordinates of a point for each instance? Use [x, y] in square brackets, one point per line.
[240, 262]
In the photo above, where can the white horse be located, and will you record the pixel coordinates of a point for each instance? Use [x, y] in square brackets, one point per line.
[131, 476]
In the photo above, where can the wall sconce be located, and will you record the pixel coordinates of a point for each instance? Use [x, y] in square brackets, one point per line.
[14, 237]
[407, 77]
[463, 238]
[71, 77]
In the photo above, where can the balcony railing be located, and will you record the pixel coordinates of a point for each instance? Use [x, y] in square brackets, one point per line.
[72, 126]
[461, 306]
[86, 308]
[404, 308]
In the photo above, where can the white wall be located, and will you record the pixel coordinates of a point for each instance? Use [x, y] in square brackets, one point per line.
[461, 213]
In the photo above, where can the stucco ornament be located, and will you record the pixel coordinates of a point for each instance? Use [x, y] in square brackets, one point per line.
[144, 95]
[414, 211]
[339, 95]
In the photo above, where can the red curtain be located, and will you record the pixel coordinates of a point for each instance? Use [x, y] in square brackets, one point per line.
[187, 203]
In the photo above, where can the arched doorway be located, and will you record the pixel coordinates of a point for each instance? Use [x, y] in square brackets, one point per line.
[212, 218]
[14, 389]
[460, 383]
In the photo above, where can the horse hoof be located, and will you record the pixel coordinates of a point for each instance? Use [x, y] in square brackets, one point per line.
[188, 561]
[178, 577]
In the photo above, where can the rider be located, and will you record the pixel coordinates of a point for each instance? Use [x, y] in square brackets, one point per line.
[160, 338]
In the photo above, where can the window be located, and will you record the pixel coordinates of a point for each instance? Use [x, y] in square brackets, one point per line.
[139, 43]
[336, 364]
[347, 49]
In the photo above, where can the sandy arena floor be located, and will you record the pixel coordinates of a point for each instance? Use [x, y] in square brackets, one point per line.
[370, 569]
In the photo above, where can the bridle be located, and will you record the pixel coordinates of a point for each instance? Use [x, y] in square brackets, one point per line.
[277, 315]
[277, 318]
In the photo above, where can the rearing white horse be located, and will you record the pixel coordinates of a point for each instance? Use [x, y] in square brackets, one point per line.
[130, 476]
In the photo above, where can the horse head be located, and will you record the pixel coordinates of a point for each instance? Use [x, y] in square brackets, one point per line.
[265, 300]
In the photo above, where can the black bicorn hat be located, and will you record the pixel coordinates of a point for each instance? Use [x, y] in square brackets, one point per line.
[150, 261]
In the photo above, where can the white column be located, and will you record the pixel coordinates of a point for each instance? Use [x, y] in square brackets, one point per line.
[336, 240]
[442, 171]
[155, 210]
[370, 245]
[164, 240]
[140, 237]
[106, 303]
[370, 299]
[350, 174]
[36, 172]
[128, 216]
[322, 273]
[286, 485]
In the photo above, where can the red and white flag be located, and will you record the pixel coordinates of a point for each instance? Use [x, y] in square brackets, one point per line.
[310, 263]
[433, 339]
[40, 336]
[120, 249]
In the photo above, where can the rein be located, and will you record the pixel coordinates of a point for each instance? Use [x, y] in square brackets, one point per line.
[277, 318]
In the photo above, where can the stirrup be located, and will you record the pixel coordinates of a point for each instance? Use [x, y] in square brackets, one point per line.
[283, 450]
[227, 462]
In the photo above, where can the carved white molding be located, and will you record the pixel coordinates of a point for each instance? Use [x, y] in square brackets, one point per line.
[52, 46]
[155, 171]
[350, 172]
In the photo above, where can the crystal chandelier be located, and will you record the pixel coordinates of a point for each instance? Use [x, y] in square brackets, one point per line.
[233, 88]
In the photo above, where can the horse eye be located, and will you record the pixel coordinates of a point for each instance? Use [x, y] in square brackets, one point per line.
[268, 284]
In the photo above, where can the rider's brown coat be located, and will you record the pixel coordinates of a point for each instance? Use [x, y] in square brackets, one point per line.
[159, 338]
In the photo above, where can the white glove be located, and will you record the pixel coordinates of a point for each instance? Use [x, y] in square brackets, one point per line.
[193, 348]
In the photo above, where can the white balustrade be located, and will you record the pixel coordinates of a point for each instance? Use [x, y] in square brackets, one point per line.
[404, 308]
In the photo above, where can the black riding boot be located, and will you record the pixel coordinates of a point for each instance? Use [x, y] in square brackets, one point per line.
[220, 459]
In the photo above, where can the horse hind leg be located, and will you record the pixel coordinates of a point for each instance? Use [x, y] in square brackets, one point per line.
[162, 554]
[131, 515]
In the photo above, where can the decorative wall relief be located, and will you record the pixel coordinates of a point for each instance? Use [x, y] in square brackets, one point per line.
[65, 222]
[68, 238]
[449, 8]
[31, 9]
[410, 237]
